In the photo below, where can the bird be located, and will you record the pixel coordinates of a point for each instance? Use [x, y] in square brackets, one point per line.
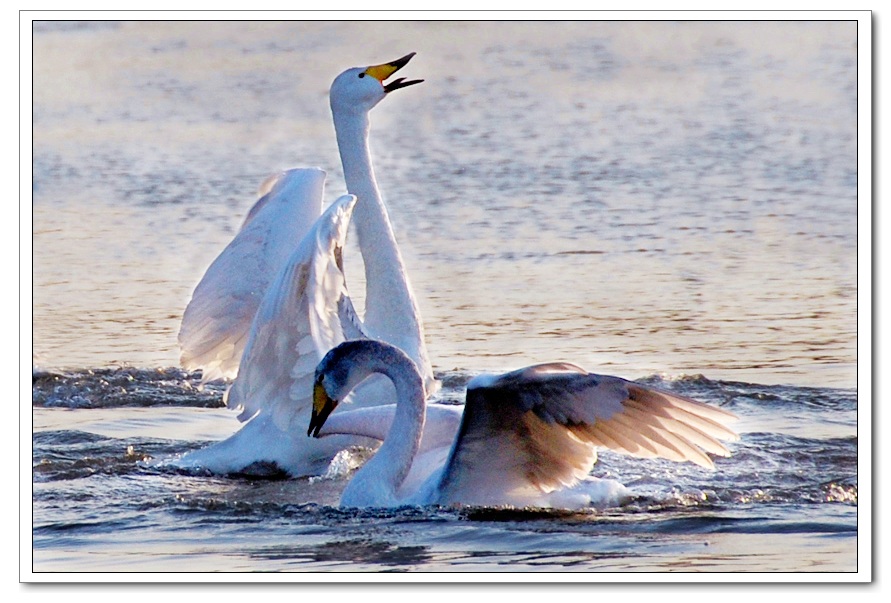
[526, 438]
[237, 324]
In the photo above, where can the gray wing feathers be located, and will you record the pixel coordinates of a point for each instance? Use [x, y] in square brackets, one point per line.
[502, 448]
[538, 428]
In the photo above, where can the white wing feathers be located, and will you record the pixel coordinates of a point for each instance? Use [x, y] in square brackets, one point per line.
[296, 324]
[536, 429]
[217, 321]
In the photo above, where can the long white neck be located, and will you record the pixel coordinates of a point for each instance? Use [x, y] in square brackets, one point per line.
[377, 482]
[391, 312]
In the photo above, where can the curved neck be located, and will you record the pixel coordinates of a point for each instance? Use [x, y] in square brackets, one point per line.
[390, 309]
[378, 481]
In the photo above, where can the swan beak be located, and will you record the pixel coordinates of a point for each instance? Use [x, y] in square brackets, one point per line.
[382, 72]
[322, 405]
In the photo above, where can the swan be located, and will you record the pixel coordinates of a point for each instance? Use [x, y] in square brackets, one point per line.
[526, 438]
[242, 323]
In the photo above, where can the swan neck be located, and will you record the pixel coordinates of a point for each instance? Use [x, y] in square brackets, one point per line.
[392, 461]
[391, 312]
[351, 129]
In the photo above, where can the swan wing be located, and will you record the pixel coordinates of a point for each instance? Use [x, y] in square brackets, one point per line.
[353, 327]
[218, 318]
[537, 429]
[298, 321]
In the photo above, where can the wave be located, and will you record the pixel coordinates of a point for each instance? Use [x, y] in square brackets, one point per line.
[114, 387]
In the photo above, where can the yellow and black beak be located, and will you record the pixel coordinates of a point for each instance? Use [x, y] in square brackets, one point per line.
[382, 72]
[322, 406]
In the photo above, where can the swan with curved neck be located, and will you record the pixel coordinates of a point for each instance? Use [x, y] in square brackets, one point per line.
[268, 309]
[526, 438]
[378, 482]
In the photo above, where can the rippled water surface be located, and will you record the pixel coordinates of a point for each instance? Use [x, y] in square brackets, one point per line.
[785, 501]
[675, 202]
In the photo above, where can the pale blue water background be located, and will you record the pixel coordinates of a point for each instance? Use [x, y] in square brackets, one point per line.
[651, 200]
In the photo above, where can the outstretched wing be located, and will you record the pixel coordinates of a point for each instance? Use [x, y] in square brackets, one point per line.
[537, 429]
[301, 317]
[217, 321]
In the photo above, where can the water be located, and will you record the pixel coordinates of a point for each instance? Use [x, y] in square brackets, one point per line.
[675, 202]
[100, 505]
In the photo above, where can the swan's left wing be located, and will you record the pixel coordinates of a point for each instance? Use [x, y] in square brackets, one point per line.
[537, 429]
[299, 320]
[218, 318]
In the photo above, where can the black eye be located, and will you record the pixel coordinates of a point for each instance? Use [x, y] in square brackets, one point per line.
[362, 74]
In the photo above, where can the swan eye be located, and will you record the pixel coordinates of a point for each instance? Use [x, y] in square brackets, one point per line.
[361, 75]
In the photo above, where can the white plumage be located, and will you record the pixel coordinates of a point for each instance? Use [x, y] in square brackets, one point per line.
[275, 300]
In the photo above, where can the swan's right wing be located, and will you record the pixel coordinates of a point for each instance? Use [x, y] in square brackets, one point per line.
[298, 321]
[537, 429]
[217, 321]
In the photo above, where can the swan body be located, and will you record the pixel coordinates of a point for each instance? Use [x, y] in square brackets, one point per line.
[526, 438]
[440, 426]
[275, 300]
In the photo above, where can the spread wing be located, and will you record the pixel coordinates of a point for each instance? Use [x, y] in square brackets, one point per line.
[537, 429]
[218, 318]
[302, 316]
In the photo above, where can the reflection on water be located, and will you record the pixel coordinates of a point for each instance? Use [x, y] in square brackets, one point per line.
[633, 197]
[354, 554]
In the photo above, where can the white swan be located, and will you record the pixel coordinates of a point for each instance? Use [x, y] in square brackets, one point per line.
[242, 321]
[526, 438]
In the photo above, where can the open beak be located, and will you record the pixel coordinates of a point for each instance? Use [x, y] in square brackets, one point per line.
[322, 406]
[382, 72]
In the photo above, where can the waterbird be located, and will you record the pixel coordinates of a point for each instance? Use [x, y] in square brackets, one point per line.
[527, 438]
[249, 319]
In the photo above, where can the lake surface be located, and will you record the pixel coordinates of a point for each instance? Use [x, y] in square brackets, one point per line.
[672, 202]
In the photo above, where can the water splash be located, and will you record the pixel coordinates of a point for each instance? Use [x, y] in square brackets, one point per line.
[343, 463]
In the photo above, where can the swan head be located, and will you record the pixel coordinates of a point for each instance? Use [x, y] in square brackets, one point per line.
[359, 89]
[339, 372]
[349, 364]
